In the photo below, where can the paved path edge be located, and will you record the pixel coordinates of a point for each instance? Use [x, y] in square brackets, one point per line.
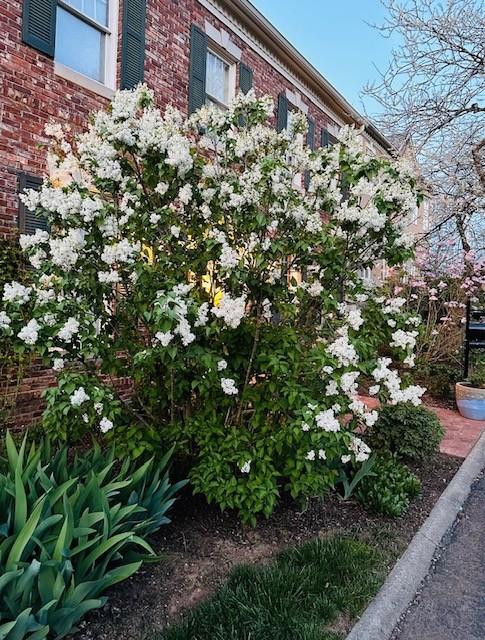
[398, 591]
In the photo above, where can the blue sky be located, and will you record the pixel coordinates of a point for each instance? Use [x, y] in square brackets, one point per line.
[334, 37]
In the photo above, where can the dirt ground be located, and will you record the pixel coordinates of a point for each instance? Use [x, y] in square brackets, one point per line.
[202, 545]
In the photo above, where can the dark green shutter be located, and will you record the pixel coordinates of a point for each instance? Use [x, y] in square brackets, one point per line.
[28, 221]
[133, 43]
[282, 115]
[39, 25]
[245, 77]
[197, 70]
[310, 140]
[328, 139]
[310, 136]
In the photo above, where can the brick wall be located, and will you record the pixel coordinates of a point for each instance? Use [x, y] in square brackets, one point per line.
[31, 94]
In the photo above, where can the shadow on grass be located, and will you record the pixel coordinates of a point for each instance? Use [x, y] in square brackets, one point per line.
[296, 597]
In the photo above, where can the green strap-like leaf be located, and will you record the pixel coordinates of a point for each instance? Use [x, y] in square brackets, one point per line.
[24, 536]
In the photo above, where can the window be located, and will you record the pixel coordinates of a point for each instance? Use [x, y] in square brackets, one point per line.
[328, 139]
[85, 38]
[366, 274]
[220, 80]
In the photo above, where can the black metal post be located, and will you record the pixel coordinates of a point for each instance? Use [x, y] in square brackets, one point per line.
[466, 344]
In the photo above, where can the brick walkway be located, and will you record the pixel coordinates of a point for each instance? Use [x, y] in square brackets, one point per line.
[461, 434]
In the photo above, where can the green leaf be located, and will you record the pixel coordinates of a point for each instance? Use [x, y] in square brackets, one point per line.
[24, 536]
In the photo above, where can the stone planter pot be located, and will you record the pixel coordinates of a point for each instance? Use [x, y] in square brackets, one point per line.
[470, 401]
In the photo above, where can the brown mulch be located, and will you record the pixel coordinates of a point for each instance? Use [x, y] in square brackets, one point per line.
[444, 402]
[203, 544]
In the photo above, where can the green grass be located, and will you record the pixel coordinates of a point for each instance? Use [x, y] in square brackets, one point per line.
[296, 597]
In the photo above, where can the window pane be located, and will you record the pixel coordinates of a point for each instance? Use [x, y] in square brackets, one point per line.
[79, 46]
[101, 11]
[217, 78]
[95, 9]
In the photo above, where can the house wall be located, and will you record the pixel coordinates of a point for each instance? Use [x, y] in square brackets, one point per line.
[32, 92]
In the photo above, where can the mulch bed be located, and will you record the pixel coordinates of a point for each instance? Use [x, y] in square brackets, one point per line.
[203, 544]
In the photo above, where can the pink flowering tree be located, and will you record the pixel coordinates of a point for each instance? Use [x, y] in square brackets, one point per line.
[437, 286]
[186, 256]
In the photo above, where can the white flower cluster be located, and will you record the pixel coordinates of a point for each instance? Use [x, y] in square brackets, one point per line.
[121, 252]
[30, 333]
[68, 330]
[355, 319]
[16, 293]
[231, 310]
[229, 386]
[105, 425]
[246, 467]
[65, 251]
[314, 289]
[229, 258]
[367, 217]
[393, 305]
[79, 397]
[327, 421]
[390, 379]
[342, 349]
[311, 455]
[404, 339]
[27, 241]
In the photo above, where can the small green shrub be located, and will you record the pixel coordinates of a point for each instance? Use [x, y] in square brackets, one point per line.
[390, 489]
[477, 374]
[68, 421]
[13, 364]
[69, 529]
[407, 431]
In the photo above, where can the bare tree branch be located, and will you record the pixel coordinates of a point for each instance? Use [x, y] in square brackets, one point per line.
[432, 97]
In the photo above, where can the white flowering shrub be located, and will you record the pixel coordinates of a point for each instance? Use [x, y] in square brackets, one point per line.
[186, 255]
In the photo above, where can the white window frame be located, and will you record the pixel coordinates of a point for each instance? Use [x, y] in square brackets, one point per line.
[220, 53]
[108, 86]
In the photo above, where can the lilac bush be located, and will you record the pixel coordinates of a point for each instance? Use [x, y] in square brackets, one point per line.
[186, 255]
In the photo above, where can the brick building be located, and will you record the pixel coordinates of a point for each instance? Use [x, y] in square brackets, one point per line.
[62, 59]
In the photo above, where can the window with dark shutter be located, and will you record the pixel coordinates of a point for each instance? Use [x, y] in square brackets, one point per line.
[328, 139]
[28, 221]
[245, 78]
[39, 25]
[310, 136]
[133, 46]
[282, 115]
[197, 69]
[310, 140]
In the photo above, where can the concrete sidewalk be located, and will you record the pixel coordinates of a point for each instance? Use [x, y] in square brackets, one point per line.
[451, 605]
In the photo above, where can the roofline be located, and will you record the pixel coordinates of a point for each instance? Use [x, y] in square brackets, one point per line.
[256, 22]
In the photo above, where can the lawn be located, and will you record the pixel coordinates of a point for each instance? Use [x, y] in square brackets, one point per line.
[300, 595]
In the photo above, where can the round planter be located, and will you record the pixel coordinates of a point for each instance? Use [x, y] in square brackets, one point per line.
[470, 401]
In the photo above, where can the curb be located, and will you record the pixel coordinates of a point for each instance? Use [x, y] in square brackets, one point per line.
[398, 591]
